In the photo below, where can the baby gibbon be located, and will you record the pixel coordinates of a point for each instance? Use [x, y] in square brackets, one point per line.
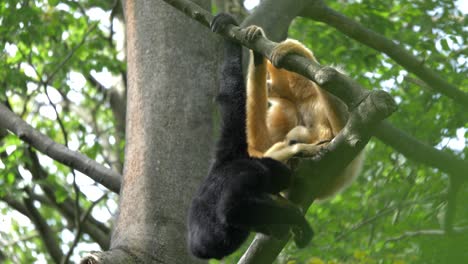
[291, 109]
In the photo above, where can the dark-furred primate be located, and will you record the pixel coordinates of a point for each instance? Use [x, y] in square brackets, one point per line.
[240, 193]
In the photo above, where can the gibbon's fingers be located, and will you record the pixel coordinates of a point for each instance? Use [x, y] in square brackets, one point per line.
[307, 150]
[220, 21]
[280, 151]
[276, 147]
[253, 32]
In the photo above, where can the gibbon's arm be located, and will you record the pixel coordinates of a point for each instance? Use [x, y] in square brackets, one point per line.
[258, 137]
[232, 143]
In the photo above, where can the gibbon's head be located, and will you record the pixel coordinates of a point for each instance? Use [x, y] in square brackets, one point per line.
[270, 91]
[299, 134]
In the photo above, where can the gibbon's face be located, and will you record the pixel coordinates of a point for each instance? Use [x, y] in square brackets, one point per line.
[270, 90]
[276, 91]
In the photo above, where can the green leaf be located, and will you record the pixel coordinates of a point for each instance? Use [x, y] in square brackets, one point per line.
[53, 2]
[444, 44]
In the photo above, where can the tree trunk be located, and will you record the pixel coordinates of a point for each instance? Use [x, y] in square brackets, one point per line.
[171, 76]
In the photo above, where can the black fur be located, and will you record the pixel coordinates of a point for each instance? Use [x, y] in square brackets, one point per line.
[237, 195]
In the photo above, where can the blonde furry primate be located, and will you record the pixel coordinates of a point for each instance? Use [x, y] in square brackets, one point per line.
[301, 114]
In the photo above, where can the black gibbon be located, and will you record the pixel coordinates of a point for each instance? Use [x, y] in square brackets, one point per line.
[300, 111]
[239, 194]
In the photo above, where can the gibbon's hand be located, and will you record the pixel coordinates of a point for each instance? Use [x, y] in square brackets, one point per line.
[220, 21]
[282, 151]
[302, 150]
[252, 33]
[285, 48]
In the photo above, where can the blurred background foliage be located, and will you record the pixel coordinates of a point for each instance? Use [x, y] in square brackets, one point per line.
[59, 64]
[63, 62]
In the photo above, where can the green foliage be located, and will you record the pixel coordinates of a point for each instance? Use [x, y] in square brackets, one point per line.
[372, 221]
[61, 46]
[50, 51]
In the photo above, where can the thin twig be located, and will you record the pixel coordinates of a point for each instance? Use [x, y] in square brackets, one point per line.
[79, 231]
[381, 213]
[428, 232]
[70, 54]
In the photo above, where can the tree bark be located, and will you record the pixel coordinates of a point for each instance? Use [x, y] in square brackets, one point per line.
[172, 70]
[275, 17]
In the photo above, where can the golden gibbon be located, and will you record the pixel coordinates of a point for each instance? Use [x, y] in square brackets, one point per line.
[289, 110]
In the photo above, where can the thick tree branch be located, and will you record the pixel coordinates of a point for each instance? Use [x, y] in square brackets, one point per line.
[58, 152]
[275, 17]
[15, 204]
[421, 152]
[344, 88]
[318, 10]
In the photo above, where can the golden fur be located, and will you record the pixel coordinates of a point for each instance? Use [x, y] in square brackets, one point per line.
[300, 112]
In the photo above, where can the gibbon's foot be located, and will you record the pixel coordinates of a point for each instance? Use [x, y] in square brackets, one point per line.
[322, 152]
[279, 232]
[253, 32]
[220, 21]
